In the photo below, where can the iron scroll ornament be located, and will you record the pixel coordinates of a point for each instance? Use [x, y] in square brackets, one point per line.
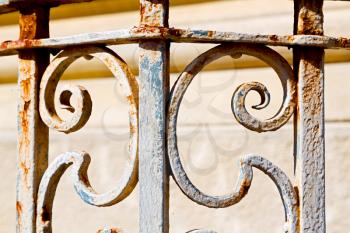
[281, 180]
[81, 112]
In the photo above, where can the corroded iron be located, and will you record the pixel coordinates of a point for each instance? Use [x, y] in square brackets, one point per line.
[80, 163]
[154, 90]
[309, 122]
[153, 119]
[32, 145]
[81, 113]
[270, 57]
[281, 180]
[137, 34]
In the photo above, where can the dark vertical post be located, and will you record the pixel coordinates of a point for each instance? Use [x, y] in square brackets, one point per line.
[154, 89]
[310, 144]
[32, 133]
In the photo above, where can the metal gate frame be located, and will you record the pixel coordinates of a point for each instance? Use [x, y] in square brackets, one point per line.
[154, 108]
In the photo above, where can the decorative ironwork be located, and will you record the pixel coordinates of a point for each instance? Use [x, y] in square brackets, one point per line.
[282, 182]
[154, 109]
[81, 113]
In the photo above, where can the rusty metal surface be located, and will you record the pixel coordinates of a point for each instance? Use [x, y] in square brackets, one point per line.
[270, 57]
[81, 113]
[153, 113]
[137, 34]
[154, 89]
[282, 182]
[32, 133]
[309, 126]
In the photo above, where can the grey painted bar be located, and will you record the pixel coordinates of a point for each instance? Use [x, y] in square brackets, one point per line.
[154, 89]
[310, 141]
[32, 158]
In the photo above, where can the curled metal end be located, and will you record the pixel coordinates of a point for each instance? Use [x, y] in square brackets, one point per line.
[285, 74]
[238, 106]
[265, 54]
[81, 111]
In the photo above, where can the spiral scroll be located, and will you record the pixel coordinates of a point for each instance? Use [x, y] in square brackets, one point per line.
[280, 179]
[267, 55]
[81, 113]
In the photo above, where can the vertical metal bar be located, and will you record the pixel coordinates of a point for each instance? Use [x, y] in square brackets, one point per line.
[154, 89]
[32, 133]
[310, 146]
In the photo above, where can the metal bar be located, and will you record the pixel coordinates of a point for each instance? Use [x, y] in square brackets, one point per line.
[32, 133]
[154, 89]
[175, 35]
[310, 142]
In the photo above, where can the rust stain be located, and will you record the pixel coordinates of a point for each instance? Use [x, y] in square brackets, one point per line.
[24, 120]
[84, 178]
[273, 37]
[142, 10]
[151, 13]
[244, 187]
[175, 32]
[19, 215]
[114, 230]
[24, 140]
[344, 42]
[19, 208]
[20, 44]
[297, 205]
[28, 25]
[45, 215]
[130, 100]
[25, 170]
[144, 29]
[25, 86]
[290, 38]
[310, 22]
[132, 129]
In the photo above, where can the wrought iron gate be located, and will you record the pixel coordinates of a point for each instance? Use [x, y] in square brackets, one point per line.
[154, 107]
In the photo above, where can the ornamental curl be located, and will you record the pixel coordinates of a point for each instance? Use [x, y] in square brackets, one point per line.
[285, 74]
[80, 163]
[267, 55]
[81, 111]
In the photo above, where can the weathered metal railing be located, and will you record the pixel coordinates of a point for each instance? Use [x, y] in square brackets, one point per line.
[154, 108]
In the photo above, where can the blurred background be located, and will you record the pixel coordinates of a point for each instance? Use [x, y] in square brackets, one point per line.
[210, 140]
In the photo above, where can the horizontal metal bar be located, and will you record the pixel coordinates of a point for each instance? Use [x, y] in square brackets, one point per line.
[175, 35]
